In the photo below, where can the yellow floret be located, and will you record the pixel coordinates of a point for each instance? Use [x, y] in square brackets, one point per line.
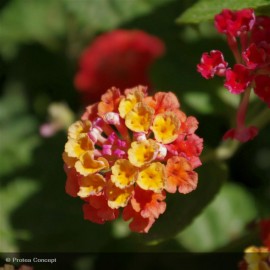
[76, 147]
[152, 177]
[255, 257]
[127, 104]
[77, 128]
[88, 165]
[166, 127]
[69, 161]
[91, 185]
[123, 173]
[142, 152]
[118, 197]
[139, 119]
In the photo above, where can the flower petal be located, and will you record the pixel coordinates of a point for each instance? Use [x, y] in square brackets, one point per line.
[139, 119]
[180, 175]
[91, 185]
[152, 177]
[166, 127]
[143, 152]
[88, 165]
[134, 96]
[78, 128]
[123, 173]
[118, 197]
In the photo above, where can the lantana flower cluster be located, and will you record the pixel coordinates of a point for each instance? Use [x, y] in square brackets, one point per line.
[258, 258]
[248, 37]
[121, 58]
[127, 152]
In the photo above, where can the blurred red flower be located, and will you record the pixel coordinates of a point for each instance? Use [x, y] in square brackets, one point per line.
[265, 232]
[120, 58]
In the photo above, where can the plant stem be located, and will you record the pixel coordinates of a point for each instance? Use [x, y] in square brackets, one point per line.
[227, 149]
[234, 47]
[241, 114]
[224, 151]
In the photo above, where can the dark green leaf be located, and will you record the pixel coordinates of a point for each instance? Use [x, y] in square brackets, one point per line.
[49, 21]
[182, 209]
[11, 198]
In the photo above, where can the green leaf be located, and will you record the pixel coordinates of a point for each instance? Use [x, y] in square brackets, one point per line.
[199, 101]
[223, 221]
[31, 21]
[56, 23]
[182, 209]
[18, 131]
[206, 9]
[104, 14]
[12, 197]
[229, 99]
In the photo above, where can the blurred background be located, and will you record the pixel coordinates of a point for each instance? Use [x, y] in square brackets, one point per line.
[41, 44]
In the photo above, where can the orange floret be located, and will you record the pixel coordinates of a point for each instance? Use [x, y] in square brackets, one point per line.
[118, 197]
[180, 175]
[87, 164]
[109, 101]
[163, 102]
[144, 208]
[92, 184]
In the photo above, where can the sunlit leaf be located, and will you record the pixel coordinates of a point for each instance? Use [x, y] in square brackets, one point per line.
[30, 21]
[205, 10]
[18, 131]
[199, 101]
[223, 221]
[228, 98]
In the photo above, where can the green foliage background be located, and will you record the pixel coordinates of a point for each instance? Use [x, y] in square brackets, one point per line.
[40, 42]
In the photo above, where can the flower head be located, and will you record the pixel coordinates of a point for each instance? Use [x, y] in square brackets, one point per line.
[255, 56]
[212, 64]
[237, 79]
[248, 37]
[127, 151]
[120, 58]
[234, 22]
